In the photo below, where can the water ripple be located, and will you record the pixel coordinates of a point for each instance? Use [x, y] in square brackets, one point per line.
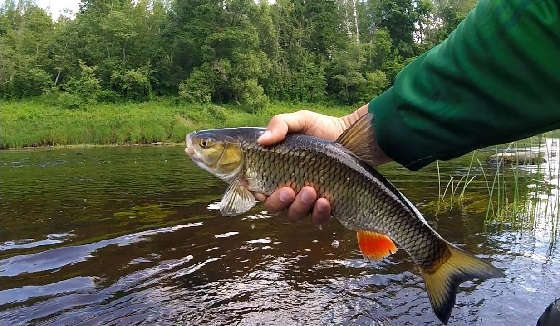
[60, 257]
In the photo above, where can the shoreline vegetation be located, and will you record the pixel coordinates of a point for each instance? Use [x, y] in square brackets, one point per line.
[121, 72]
[37, 123]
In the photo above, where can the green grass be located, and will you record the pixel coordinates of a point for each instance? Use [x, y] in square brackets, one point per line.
[30, 123]
[508, 193]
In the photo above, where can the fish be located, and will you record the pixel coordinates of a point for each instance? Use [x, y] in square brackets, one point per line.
[551, 316]
[361, 198]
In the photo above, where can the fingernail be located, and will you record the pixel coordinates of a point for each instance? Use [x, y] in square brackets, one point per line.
[285, 197]
[307, 197]
[265, 135]
[322, 208]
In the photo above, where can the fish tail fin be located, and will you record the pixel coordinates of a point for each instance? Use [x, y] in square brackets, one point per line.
[443, 279]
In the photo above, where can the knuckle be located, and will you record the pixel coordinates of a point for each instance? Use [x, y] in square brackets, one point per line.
[277, 118]
[304, 113]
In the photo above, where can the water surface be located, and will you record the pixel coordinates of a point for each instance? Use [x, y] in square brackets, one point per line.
[131, 235]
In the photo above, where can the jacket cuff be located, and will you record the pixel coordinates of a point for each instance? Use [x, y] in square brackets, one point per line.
[394, 137]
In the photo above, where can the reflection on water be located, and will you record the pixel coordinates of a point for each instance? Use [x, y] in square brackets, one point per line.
[30, 243]
[543, 197]
[131, 235]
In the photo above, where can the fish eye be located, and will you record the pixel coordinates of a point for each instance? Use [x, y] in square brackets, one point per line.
[205, 143]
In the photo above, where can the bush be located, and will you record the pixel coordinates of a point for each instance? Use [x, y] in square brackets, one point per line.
[86, 89]
[375, 83]
[69, 101]
[57, 98]
[199, 87]
[307, 81]
[26, 82]
[133, 84]
[349, 87]
[253, 96]
[108, 96]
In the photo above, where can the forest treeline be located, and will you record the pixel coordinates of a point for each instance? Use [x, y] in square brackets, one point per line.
[225, 51]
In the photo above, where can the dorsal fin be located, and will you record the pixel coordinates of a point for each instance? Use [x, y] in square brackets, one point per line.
[375, 245]
[359, 138]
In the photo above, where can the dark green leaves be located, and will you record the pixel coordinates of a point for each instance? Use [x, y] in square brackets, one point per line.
[228, 51]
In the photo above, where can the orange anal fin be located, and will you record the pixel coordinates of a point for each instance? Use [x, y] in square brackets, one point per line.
[375, 245]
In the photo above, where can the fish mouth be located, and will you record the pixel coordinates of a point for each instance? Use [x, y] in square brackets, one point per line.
[190, 148]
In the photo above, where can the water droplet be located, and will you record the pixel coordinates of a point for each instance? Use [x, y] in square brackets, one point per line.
[335, 244]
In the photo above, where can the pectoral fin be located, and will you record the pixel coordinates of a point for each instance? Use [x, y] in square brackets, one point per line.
[237, 200]
[375, 245]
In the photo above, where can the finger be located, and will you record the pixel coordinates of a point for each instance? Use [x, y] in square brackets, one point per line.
[259, 196]
[303, 204]
[280, 199]
[321, 211]
[281, 124]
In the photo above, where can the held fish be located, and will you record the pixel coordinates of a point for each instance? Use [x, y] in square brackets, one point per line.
[361, 198]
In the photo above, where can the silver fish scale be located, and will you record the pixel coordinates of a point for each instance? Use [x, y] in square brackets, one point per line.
[361, 198]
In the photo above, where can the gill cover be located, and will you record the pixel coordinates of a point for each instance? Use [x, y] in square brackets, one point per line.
[219, 152]
[231, 159]
[221, 156]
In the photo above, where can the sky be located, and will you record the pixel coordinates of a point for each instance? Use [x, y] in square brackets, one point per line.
[55, 7]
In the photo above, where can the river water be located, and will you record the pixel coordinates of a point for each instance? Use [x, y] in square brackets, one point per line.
[130, 235]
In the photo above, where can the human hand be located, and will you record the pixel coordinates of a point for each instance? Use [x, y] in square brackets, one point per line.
[323, 126]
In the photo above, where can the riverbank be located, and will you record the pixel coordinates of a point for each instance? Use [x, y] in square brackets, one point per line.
[34, 123]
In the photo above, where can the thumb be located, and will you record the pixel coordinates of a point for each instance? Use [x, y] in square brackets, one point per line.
[280, 125]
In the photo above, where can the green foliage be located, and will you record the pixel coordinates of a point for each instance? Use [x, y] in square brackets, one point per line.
[133, 84]
[84, 89]
[377, 53]
[26, 82]
[126, 123]
[376, 82]
[307, 81]
[253, 96]
[199, 87]
[24, 33]
[62, 99]
[243, 52]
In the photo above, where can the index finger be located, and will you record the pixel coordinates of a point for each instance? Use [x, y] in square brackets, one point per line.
[281, 124]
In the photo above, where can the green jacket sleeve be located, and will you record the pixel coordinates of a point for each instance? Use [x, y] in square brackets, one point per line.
[495, 79]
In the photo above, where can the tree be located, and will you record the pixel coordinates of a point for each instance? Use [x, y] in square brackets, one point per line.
[25, 33]
[230, 51]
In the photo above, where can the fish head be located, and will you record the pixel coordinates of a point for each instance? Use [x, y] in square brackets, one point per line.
[220, 151]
